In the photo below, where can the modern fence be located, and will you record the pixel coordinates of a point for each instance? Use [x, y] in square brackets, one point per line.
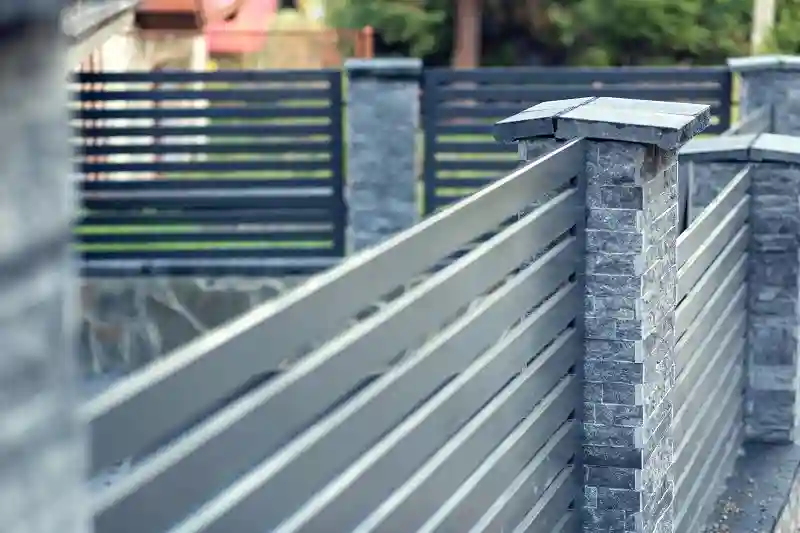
[459, 108]
[450, 407]
[710, 330]
[210, 172]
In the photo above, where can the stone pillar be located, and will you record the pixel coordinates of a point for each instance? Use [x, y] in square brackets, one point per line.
[382, 128]
[772, 404]
[770, 81]
[42, 443]
[630, 277]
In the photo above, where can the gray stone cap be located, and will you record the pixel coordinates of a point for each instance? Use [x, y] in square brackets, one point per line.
[664, 124]
[763, 147]
[770, 62]
[79, 21]
[758, 490]
[404, 68]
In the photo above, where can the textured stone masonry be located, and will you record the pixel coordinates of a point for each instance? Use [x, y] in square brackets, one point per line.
[631, 187]
[382, 125]
[770, 81]
[772, 409]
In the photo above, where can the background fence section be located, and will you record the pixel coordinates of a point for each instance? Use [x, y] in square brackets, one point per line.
[710, 328]
[449, 405]
[460, 106]
[210, 172]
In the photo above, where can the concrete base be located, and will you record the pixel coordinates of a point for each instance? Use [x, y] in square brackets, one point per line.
[763, 495]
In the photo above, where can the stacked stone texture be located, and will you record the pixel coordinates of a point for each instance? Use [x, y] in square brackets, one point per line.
[382, 125]
[631, 233]
[630, 277]
[771, 400]
[770, 81]
[706, 180]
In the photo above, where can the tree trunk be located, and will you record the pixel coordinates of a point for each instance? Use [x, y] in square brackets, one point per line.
[468, 20]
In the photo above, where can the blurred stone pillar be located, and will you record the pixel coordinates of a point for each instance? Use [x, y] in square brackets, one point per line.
[42, 443]
[382, 123]
[770, 81]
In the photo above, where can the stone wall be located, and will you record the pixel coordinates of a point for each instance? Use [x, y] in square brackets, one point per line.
[129, 322]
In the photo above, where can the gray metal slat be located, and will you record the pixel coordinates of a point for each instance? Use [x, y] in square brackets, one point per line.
[553, 504]
[687, 345]
[534, 437]
[713, 215]
[433, 483]
[702, 256]
[333, 369]
[696, 402]
[688, 503]
[721, 409]
[274, 489]
[354, 493]
[698, 508]
[531, 490]
[732, 322]
[693, 303]
[570, 523]
[324, 304]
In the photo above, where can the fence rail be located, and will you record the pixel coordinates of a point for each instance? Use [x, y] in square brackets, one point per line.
[710, 325]
[418, 416]
[459, 108]
[210, 173]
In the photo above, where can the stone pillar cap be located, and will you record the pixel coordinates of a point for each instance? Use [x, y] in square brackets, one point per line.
[763, 147]
[667, 125]
[384, 67]
[759, 63]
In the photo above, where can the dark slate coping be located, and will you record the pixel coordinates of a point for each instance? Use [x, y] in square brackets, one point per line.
[769, 62]
[758, 490]
[396, 68]
[664, 124]
[763, 147]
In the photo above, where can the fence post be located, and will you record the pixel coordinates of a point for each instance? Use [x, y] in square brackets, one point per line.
[631, 218]
[382, 131]
[42, 443]
[770, 81]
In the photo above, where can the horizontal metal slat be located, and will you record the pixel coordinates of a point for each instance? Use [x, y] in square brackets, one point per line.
[152, 254]
[218, 112]
[522, 75]
[336, 368]
[193, 167]
[546, 512]
[319, 197]
[166, 218]
[261, 95]
[544, 93]
[722, 409]
[396, 457]
[713, 216]
[216, 76]
[702, 257]
[220, 186]
[698, 402]
[525, 449]
[337, 295]
[473, 147]
[237, 130]
[205, 235]
[709, 282]
[251, 147]
[281, 266]
[728, 291]
[730, 325]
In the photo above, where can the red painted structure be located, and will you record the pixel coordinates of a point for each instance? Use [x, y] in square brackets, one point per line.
[243, 31]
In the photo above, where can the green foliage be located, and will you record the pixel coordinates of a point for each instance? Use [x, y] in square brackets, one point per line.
[785, 36]
[609, 32]
[415, 22]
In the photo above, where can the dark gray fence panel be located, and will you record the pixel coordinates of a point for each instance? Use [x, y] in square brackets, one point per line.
[412, 396]
[710, 326]
[210, 173]
[460, 106]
